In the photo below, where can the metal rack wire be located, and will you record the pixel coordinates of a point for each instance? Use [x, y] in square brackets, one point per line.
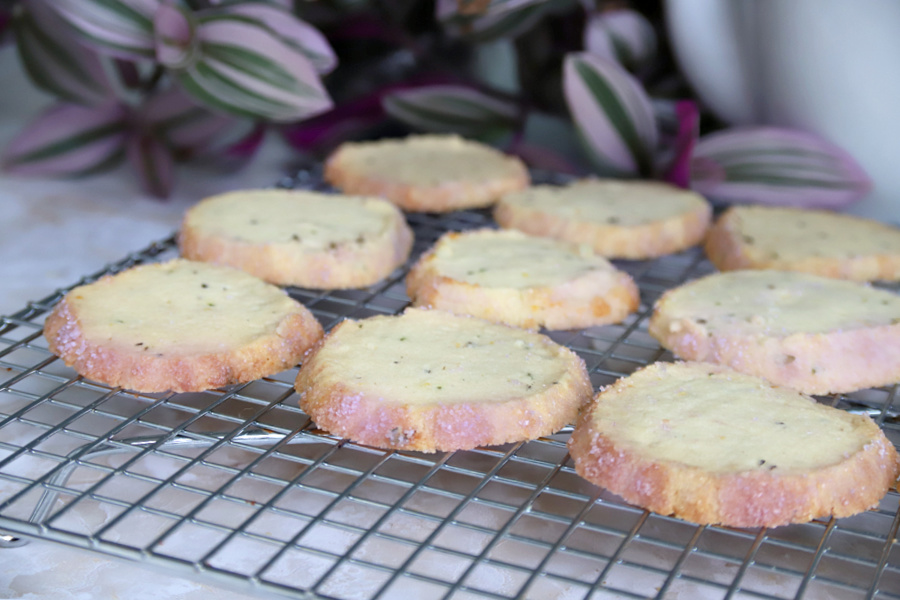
[237, 485]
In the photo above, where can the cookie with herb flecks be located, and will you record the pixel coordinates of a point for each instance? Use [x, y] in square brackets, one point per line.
[816, 334]
[426, 173]
[617, 218]
[429, 380]
[522, 280]
[713, 446]
[302, 238]
[813, 241]
[180, 326]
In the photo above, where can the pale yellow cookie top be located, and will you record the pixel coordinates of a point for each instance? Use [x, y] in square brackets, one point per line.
[778, 303]
[710, 417]
[429, 160]
[424, 357]
[511, 259]
[312, 220]
[609, 202]
[779, 233]
[179, 307]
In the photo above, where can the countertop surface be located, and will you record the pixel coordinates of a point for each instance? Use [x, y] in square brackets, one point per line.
[52, 233]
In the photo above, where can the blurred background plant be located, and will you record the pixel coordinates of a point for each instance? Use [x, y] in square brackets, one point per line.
[580, 87]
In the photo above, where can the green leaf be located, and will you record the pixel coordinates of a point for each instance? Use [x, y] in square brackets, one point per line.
[121, 28]
[616, 112]
[451, 109]
[68, 139]
[769, 165]
[613, 114]
[242, 69]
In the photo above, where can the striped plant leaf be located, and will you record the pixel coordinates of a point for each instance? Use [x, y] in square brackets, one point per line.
[278, 19]
[451, 109]
[121, 28]
[193, 132]
[69, 139]
[173, 36]
[624, 35]
[769, 165]
[181, 123]
[500, 19]
[613, 115]
[477, 8]
[153, 164]
[243, 70]
[286, 4]
[54, 61]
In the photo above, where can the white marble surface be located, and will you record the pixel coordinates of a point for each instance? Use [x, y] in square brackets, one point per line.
[51, 234]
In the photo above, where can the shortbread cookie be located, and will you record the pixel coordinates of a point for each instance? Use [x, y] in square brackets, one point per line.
[426, 173]
[180, 326]
[618, 219]
[816, 334]
[521, 280]
[710, 445]
[302, 238]
[429, 380]
[812, 241]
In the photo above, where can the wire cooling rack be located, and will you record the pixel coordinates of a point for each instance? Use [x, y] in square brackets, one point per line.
[237, 486]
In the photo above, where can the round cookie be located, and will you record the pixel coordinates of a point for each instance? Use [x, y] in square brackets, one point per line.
[815, 334]
[812, 241]
[713, 446]
[429, 380]
[521, 280]
[426, 173]
[180, 326]
[301, 238]
[617, 218]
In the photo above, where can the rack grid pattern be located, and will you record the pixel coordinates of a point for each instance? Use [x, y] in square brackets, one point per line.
[238, 487]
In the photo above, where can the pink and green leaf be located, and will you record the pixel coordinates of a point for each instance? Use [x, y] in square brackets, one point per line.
[451, 109]
[499, 19]
[54, 61]
[623, 35]
[769, 165]
[355, 119]
[280, 21]
[181, 122]
[613, 115]
[174, 36]
[69, 139]
[121, 28]
[245, 71]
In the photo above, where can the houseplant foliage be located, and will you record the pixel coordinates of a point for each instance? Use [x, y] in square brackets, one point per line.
[155, 81]
[160, 81]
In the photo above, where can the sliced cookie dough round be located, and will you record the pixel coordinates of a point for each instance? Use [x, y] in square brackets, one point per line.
[429, 380]
[521, 280]
[812, 241]
[713, 446]
[816, 334]
[618, 219]
[181, 326]
[426, 173]
[301, 238]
